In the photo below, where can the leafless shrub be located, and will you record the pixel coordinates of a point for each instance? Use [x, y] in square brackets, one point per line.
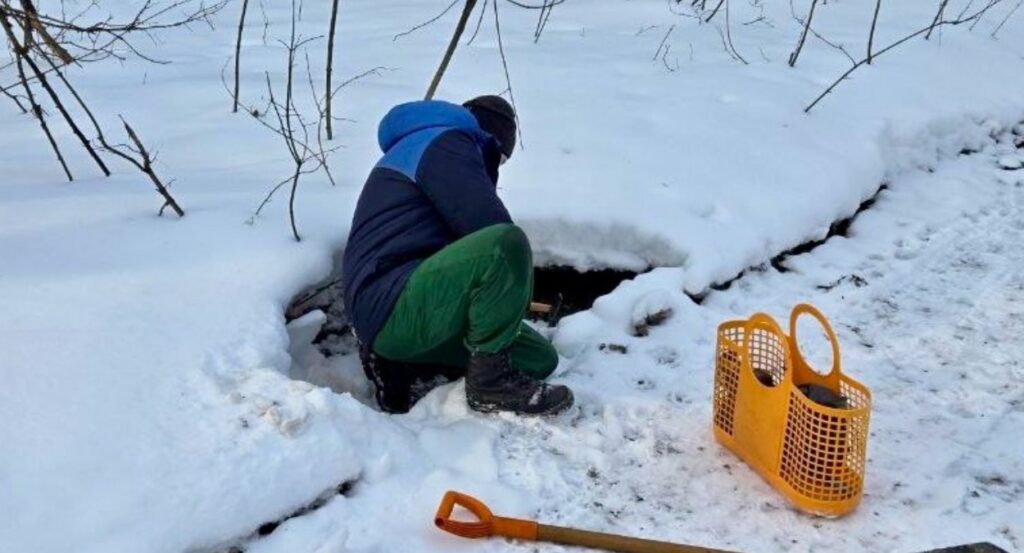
[960, 20]
[42, 45]
[808, 27]
[726, 36]
[301, 135]
[545, 8]
[137, 155]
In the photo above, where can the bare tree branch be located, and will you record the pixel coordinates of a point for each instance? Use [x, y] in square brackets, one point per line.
[991, 3]
[662, 43]
[951, 22]
[805, 24]
[459, 28]
[508, 80]
[301, 136]
[728, 36]
[144, 163]
[14, 98]
[1007, 18]
[419, 26]
[713, 11]
[871, 35]
[22, 51]
[37, 110]
[938, 17]
[542, 19]
[330, 69]
[479, 22]
[238, 52]
[803, 36]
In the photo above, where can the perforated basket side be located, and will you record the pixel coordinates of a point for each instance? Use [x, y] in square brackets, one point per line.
[860, 403]
[728, 361]
[768, 355]
[824, 449]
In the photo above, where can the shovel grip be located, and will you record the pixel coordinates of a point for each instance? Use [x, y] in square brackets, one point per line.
[486, 525]
[612, 542]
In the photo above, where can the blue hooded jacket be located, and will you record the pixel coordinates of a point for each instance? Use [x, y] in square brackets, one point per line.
[435, 184]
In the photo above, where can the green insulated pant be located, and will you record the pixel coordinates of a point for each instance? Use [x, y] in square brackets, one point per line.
[470, 296]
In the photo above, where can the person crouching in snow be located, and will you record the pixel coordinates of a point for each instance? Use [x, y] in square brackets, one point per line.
[436, 274]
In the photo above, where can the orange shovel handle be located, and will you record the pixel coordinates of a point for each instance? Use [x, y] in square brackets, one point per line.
[487, 525]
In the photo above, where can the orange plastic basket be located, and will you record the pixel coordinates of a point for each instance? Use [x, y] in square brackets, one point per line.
[813, 455]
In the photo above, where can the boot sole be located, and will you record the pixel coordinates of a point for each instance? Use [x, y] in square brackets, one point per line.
[490, 408]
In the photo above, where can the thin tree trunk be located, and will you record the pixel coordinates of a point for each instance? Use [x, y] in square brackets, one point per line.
[81, 102]
[37, 110]
[938, 17]
[451, 48]
[291, 201]
[871, 35]
[803, 36]
[33, 21]
[330, 69]
[238, 51]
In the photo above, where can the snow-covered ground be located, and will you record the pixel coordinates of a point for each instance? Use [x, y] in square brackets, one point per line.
[145, 396]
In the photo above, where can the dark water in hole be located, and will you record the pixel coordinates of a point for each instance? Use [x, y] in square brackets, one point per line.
[557, 286]
[577, 290]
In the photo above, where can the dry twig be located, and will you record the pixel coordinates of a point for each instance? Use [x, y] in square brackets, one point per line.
[140, 157]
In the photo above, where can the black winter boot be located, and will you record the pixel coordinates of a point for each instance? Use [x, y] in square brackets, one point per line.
[392, 381]
[493, 385]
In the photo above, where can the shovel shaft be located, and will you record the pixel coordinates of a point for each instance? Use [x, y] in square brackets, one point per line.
[612, 542]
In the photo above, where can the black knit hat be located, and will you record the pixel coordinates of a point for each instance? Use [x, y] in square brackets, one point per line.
[497, 117]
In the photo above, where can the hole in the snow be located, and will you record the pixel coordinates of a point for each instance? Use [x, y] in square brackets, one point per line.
[324, 351]
[569, 291]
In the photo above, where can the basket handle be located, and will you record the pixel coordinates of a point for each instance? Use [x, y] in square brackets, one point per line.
[806, 308]
[763, 319]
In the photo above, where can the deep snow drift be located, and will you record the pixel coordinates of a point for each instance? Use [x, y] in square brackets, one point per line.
[146, 396]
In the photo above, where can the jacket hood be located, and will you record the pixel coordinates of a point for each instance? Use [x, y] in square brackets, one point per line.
[406, 119]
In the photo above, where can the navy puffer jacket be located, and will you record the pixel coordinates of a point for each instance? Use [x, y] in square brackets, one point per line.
[434, 185]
